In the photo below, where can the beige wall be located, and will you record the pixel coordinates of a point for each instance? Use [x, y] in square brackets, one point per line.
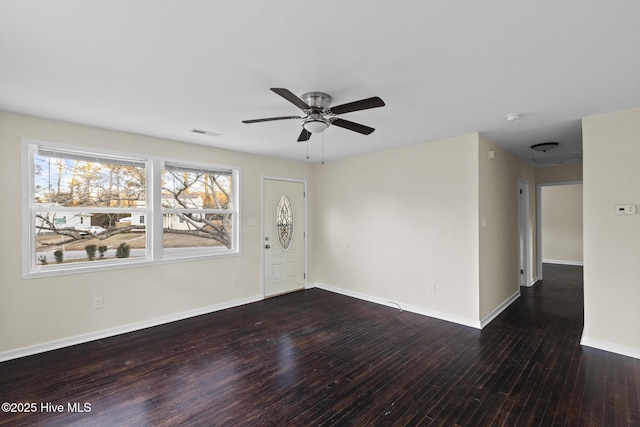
[402, 226]
[561, 223]
[611, 146]
[498, 205]
[37, 311]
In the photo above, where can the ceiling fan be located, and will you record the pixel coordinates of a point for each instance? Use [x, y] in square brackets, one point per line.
[319, 114]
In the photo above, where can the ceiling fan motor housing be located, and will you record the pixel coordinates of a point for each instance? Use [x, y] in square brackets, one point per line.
[317, 100]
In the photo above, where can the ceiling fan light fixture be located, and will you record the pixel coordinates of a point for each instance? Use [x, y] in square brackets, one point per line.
[544, 146]
[315, 126]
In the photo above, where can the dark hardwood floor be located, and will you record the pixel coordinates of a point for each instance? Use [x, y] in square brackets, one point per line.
[317, 358]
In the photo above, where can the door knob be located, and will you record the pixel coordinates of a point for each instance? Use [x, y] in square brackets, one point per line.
[267, 246]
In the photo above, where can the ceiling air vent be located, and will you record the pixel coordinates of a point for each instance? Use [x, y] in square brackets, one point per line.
[205, 132]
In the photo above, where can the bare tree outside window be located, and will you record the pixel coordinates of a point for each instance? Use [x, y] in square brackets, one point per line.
[197, 203]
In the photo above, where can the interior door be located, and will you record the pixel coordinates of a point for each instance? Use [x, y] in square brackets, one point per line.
[284, 237]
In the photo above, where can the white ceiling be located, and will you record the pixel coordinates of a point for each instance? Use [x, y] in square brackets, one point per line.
[443, 67]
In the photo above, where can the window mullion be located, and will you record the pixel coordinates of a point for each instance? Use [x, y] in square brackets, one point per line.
[154, 209]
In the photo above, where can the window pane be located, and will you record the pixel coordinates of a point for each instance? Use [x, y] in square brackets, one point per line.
[188, 197]
[189, 230]
[284, 222]
[69, 181]
[191, 189]
[69, 238]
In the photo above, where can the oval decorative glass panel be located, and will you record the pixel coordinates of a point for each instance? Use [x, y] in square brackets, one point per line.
[284, 222]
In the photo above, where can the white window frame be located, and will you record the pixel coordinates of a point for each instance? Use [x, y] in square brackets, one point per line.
[152, 211]
[235, 223]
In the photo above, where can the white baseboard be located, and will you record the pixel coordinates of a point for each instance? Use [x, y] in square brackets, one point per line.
[499, 309]
[563, 262]
[106, 333]
[611, 347]
[413, 309]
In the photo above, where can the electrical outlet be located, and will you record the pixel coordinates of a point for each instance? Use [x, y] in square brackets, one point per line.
[234, 279]
[97, 303]
[432, 287]
[625, 209]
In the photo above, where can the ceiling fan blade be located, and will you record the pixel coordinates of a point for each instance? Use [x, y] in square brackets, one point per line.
[291, 97]
[363, 104]
[271, 119]
[304, 135]
[356, 127]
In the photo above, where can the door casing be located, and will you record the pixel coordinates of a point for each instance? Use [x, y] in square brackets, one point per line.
[524, 263]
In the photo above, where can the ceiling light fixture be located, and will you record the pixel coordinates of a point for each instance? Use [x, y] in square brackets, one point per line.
[544, 146]
[315, 123]
[512, 117]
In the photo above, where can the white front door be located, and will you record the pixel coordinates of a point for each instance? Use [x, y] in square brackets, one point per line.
[284, 236]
